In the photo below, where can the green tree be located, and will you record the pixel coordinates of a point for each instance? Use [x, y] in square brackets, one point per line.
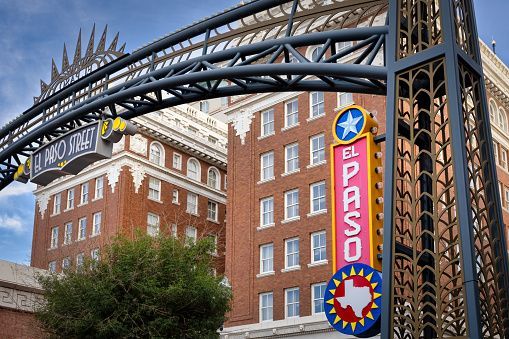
[147, 287]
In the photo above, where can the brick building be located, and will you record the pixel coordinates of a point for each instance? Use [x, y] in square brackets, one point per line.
[278, 248]
[169, 177]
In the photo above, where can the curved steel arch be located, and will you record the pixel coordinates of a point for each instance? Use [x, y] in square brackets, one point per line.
[253, 48]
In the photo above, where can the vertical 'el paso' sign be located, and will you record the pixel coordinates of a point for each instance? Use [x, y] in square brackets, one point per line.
[357, 190]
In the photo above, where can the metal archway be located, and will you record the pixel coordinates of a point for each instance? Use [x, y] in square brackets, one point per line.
[445, 257]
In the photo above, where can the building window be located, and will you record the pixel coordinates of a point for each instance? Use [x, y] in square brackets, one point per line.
[193, 169]
[315, 54]
[292, 302]
[192, 203]
[174, 230]
[318, 197]
[503, 157]
[267, 166]
[212, 211]
[225, 182]
[191, 234]
[343, 45]
[175, 196]
[66, 263]
[54, 237]
[317, 294]
[267, 211]
[70, 198]
[292, 204]
[214, 241]
[177, 161]
[84, 193]
[292, 253]
[266, 305]
[292, 113]
[152, 224]
[493, 111]
[52, 266]
[57, 203]
[495, 152]
[317, 149]
[82, 228]
[344, 99]
[291, 158]
[317, 104]
[502, 119]
[67, 233]
[318, 247]
[99, 185]
[154, 189]
[80, 258]
[506, 195]
[204, 106]
[156, 155]
[268, 122]
[94, 254]
[96, 227]
[267, 258]
[213, 178]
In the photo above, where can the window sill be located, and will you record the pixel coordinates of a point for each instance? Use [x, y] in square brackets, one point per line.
[82, 204]
[96, 199]
[54, 214]
[286, 221]
[317, 164]
[95, 235]
[265, 274]
[340, 107]
[314, 214]
[69, 209]
[52, 248]
[261, 228]
[318, 263]
[192, 213]
[261, 137]
[154, 200]
[315, 117]
[291, 269]
[290, 173]
[290, 127]
[78, 240]
[265, 180]
[212, 220]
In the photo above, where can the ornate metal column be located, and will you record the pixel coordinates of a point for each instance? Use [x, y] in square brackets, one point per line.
[445, 264]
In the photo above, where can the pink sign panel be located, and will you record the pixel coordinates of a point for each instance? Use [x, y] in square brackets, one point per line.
[351, 204]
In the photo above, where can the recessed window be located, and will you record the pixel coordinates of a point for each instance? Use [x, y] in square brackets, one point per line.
[316, 54]
[292, 253]
[212, 211]
[94, 254]
[213, 178]
[495, 152]
[267, 211]
[84, 193]
[291, 158]
[266, 258]
[57, 203]
[502, 119]
[177, 161]
[96, 227]
[292, 113]
[154, 189]
[52, 266]
[193, 169]
[191, 234]
[318, 247]
[225, 182]
[99, 187]
[204, 106]
[506, 195]
[292, 307]
[317, 191]
[345, 99]
[82, 228]
[68, 233]
[317, 104]
[292, 204]
[317, 294]
[66, 263]
[267, 166]
[80, 259]
[156, 155]
[192, 203]
[266, 306]
[267, 122]
[152, 224]
[175, 196]
[317, 149]
[70, 198]
[54, 237]
[343, 45]
[503, 157]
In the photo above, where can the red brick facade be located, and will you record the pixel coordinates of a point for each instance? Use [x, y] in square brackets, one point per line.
[16, 324]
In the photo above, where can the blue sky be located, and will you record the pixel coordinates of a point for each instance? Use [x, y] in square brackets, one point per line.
[34, 31]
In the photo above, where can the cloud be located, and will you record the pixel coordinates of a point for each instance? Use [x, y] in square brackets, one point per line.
[14, 224]
[16, 189]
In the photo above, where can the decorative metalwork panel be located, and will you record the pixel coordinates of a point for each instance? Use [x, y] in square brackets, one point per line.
[464, 34]
[420, 26]
[488, 233]
[428, 299]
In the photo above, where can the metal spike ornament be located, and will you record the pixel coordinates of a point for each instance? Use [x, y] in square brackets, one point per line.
[93, 59]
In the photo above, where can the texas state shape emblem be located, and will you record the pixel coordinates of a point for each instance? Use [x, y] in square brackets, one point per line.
[353, 300]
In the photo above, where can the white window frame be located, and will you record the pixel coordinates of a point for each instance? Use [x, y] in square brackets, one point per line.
[175, 196]
[503, 157]
[96, 224]
[52, 266]
[343, 45]
[315, 246]
[314, 51]
[288, 207]
[82, 228]
[194, 175]
[204, 106]
[192, 201]
[194, 236]
[495, 152]
[506, 197]
[292, 113]
[295, 253]
[345, 99]
[217, 181]
[320, 199]
[153, 228]
[70, 198]
[57, 203]
[66, 263]
[54, 237]
[99, 188]
[268, 307]
[264, 212]
[320, 103]
[292, 160]
[319, 299]
[177, 161]
[266, 166]
[84, 193]
[212, 214]
[287, 291]
[267, 123]
[269, 260]
[68, 233]
[95, 254]
[319, 151]
[80, 259]
[154, 189]
[154, 158]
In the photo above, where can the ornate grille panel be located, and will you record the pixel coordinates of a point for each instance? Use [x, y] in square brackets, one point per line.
[464, 36]
[428, 295]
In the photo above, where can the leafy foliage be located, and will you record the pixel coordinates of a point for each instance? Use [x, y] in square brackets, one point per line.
[147, 287]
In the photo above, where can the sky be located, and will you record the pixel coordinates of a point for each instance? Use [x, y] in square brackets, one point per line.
[32, 32]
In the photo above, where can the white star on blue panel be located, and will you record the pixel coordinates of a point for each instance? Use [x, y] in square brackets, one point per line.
[349, 124]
